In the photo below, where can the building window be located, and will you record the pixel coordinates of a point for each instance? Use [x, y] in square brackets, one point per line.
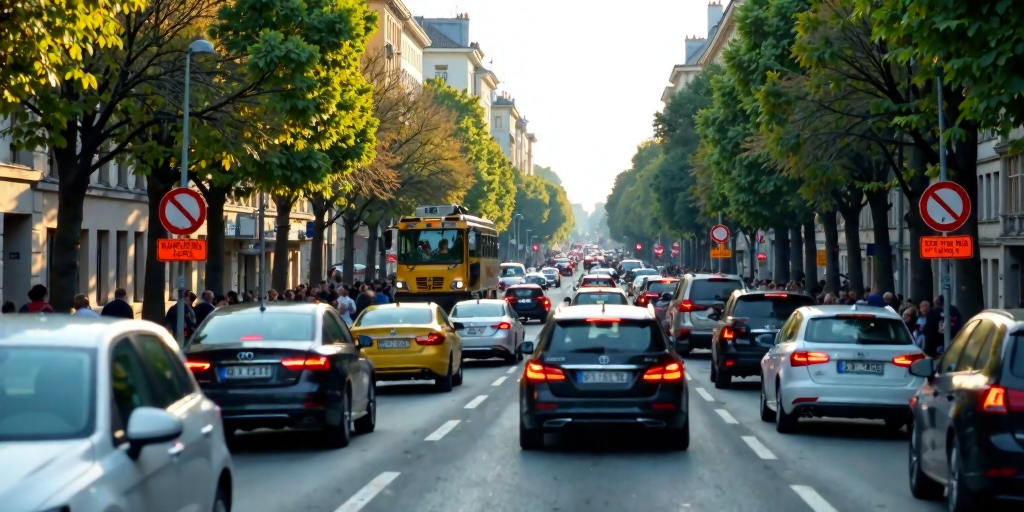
[140, 265]
[497, 121]
[102, 267]
[441, 75]
[1014, 186]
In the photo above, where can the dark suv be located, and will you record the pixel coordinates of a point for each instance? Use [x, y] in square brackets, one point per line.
[746, 330]
[528, 301]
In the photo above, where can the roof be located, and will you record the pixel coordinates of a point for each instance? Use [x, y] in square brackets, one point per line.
[277, 306]
[481, 301]
[600, 289]
[830, 310]
[609, 311]
[66, 330]
[524, 285]
[406, 305]
[438, 39]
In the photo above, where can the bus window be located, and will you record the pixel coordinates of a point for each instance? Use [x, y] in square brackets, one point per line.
[431, 246]
[474, 242]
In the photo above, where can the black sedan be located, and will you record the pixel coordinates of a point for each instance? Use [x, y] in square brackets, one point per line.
[292, 365]
[528, 301]
[603, 365]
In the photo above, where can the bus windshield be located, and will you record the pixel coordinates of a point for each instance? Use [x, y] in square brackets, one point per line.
[420, 246]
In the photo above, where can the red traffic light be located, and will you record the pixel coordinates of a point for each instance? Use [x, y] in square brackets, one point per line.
[535, 247]
[639, 246]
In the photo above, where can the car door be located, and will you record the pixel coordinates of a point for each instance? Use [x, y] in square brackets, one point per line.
[347, 355]
[451, 333]
[517, 325]
[772, 363]
[175, 392]
[152, 482]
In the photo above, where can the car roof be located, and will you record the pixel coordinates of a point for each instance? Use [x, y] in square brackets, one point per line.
[549, 268]
[481, 301]
[404, 305]
[272, 307]
[524, 285]
[64, 330]
[623, 311]
[511, 264]
[836, 309]
[706, 275]
[631, 261]
[755, 293]
[600, 289]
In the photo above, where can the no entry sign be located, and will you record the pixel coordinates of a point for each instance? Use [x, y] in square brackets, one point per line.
[182, 211]
[720, 234]
[945, 206]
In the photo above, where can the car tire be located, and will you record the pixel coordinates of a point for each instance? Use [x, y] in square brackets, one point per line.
[368, 423]
[443, 383]
[785, 423]
[512, 357]
[220, 502]
[724, 378]
[767, 415]
[339, 436]
[530, 439]
[922, 486]
[959, 496]
[457, 378]
[678, 440]
[714, 372]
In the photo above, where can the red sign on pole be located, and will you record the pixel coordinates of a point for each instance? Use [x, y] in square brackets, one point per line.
[182, 211]
[392, 258]
[720, 234]
[945, 206]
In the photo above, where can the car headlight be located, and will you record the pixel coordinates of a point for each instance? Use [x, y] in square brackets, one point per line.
[401, 285]
[457, 284]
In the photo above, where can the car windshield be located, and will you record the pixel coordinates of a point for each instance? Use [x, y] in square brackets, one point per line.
[535, 279]
[858, 329]
[775, 307]
[645, 272]
[584, 299]
[394, 316]
[473, 310]
[523, 293]
[550, 272]
[631, 265]
[598, 282]
[246, 326]
[661, 287]
[420, 246]
[713, 289]
[512, 271]
[605, 337]
[46, 394]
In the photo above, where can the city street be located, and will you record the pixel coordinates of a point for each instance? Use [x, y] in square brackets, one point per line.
[459, 452]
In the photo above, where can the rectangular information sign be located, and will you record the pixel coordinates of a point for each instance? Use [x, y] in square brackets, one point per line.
[721, 253]
[183, 249]
[821, 261]
[947, 247]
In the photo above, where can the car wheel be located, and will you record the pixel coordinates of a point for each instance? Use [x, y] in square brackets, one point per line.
[784, 423]
[220, 502]
[960, 497]
[444, 383]
[921, 485]
[457, 378]
[530, 439]
[767, 414]
[724, 380]
[512, 357]
[679, 440]
[368, 423]
[339, 436]
[714, 372]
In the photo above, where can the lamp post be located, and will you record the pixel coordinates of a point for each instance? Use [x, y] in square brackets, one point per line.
[198, 47]
[517, 220]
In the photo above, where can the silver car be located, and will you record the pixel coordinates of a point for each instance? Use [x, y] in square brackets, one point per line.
[491, 330]
[553, 276]
[696, 297]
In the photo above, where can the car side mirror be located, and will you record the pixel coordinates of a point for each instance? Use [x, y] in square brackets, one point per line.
[364, 341]
[716, 316]
[526, 347]
[923, 368]
[459, 326]
[150, 425]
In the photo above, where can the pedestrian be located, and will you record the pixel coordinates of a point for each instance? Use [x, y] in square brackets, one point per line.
[9, 307]
[205, 307]
[363, 300]
[957, 321]
[346, 306]
[37, 301]
[81, 305]
[171, 318]
[119, 307]
[929, 323]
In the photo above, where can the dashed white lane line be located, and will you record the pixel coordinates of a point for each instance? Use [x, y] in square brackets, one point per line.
[444, 430]
[688, 376]
[368, 492]
[513, 369]
[813, 499]
[760, 449]
[476, 401]
[727, 417]
[705, 395]
[499, 381]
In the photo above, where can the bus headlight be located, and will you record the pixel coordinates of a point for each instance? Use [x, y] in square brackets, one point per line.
[401, 285]
[457, 284]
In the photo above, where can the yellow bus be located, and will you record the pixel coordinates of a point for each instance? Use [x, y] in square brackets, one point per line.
[445, 255]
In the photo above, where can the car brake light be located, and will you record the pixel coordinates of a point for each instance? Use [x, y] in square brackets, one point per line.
[198, 366]
[546, 302]
[312, 363]
[251, 337]
[603, 320]
[536, 372]
[510, 300]
[807, 358]
[728, 333]
[434, 338]
[781, 295]
[504, 326]
[687, 306]
[672, 372]
[905, 361]
[993, 400]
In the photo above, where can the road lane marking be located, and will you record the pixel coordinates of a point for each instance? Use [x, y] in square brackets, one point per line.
[688, 376]
[727, 417]
[519, 379]
[513, 369]
[760, 449]
[367, 493]
[705, 395]
[813, 499]
[476, 401]
[441, 432]
[499, 381]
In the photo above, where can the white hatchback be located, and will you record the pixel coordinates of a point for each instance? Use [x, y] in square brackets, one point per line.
[101, 414]
[839, 362]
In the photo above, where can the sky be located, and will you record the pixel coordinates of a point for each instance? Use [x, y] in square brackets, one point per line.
[587, 74]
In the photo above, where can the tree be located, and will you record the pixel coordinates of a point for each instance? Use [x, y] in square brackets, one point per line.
[546, 173]
[560, 220]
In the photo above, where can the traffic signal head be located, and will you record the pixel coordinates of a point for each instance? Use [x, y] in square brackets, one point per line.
[535, 247]
[639, 246]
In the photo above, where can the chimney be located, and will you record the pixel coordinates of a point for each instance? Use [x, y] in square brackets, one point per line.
[715, 10]
[693, 46]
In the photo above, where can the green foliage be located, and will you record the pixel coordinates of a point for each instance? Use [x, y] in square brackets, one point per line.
[629, 206]
[493, 193]
[547, 173]
[545, 208]
[560, 220]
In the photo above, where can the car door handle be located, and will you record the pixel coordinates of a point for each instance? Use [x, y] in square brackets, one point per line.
[175, 451]
[207, 430]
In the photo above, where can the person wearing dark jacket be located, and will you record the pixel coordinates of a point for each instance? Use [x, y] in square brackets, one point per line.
[204, 308]
[119, 307]
[363, 301]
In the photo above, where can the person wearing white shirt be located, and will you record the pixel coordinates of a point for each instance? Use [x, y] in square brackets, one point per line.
[345, 306]
[82, 306]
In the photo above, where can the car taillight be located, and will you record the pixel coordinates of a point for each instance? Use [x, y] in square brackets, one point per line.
[312, 363]
[672, 372]
[434, 338]
[1000, 400]
[546, 302]
[687, 306]
[906, 360]
[198, 366]
[504, 326]
[536, 372]
[510, 300]
[807, 358]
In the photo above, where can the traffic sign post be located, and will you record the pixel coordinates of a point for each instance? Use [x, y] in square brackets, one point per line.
[720, 235]
[182, 212]
[945, 207]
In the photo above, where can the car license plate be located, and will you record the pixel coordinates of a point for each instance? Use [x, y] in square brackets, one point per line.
[474, 331]
[862, 367]
[525, 301]
[383, 344]
[247, 372]
[603, 377]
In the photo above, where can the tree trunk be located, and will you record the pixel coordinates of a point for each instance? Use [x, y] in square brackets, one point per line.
[830, 224]
[780, 274]
[969, 296]
[155, 283]
[854, 265]
[921, 286]
[382, 265]
[72, 187]
[810, 258]
[348, 266]
[279, 274]
[752, 252]
[316, 256]
[796, 253]
[216, 198]
[878, 204]
[371, 251]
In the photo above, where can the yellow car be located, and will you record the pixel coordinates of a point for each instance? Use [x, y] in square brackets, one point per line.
[411, 341]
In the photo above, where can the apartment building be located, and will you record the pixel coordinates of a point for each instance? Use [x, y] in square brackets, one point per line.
[399, 37]
[509, 128]
[695, 47]
[452, 57]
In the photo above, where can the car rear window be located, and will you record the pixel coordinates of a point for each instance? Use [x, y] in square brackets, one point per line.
[1017, 359]
[630, 265]
[536, 280]
[714, 289]
[512, 271]
[858, 329]
[600, 337]
[646, 272]
[523, 293]
[394, 316]
[598, 282]
[266, 326]
[771, 306]
[478, 310]
[549, 271]
[661, 287]
[585, 299]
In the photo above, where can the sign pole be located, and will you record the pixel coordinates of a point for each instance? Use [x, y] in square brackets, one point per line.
[180, 335]
[944, 277]
[263, 251]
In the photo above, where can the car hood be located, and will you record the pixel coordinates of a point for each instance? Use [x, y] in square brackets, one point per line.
[32, 472]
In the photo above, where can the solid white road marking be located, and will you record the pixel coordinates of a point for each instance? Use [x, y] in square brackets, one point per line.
[513, 369]
[367, 493]
[499, 381]
[705, 395]
[441, 432]
[476, 401]
[760, 449]
[727, 417]
[688, 376]
[813, 499]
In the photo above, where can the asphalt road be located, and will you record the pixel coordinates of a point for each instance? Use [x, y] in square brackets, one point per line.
[459, 452]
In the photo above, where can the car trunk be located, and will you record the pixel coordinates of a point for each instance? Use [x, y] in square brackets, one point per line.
[862, 351]
[620, 377]
[478, 326]
[393, 341]
[707, 294]
[249, 364]
[757, 318]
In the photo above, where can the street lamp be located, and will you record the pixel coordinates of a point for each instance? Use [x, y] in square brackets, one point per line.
[517, 220]
[198, 47]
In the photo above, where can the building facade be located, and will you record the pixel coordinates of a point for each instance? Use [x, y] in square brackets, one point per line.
[452, 57]
[509, 128]
[399, 38]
